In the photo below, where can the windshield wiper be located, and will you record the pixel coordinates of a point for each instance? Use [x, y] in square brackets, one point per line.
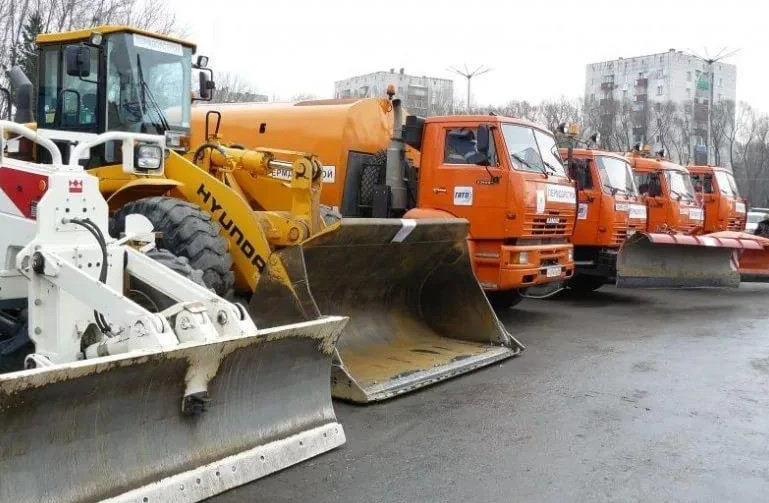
[552, 168]
[520, 159]
[147, 93]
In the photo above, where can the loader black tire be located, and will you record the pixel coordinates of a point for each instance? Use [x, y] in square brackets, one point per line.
[503, 299]
[153, 300]
[185, 231]
[586, 283]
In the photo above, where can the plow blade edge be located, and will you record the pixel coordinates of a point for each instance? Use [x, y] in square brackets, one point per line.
[113, 428]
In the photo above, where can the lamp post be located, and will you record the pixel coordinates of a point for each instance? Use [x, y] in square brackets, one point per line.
[466, 73]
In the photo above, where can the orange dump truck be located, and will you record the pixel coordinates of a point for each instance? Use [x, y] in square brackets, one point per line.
[724, 208]
[503, 175]
[674, 251]
[609, 211]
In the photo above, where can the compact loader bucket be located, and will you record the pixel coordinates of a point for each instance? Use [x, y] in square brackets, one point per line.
[417, 313]
[660, 260]
[113, 428]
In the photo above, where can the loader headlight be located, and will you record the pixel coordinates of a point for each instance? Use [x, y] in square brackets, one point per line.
[523, 258]
[148, 158]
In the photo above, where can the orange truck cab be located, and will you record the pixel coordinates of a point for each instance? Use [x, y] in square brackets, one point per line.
[503, 175]
[666, 188]
[724, 208]
[609, 211]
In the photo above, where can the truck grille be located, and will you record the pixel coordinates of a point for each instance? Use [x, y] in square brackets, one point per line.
[736, 224]
[620, 234]
[554, 223]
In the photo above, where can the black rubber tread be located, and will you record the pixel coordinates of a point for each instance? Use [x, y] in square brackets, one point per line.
[503, 299]
[186, 231]
[763, 229]
[586, 283]
[140, 291]
[372, 174]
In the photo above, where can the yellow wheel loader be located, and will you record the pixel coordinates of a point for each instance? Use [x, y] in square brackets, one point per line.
[252, 222]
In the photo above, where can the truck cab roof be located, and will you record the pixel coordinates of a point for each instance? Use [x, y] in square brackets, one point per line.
[80, 35]
[485, 119]
[649, 164]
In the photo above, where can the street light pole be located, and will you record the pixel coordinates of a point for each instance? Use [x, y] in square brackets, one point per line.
[466, 73]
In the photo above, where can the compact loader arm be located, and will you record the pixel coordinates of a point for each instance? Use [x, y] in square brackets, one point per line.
[120, 403]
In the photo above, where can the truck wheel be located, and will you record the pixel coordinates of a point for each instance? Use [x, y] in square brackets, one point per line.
[153, 300]
[185, 231]
[372, 175]
[503, 299]
[585, 284]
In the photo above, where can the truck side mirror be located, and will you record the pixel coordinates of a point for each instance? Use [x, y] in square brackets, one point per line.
[206, 85]
[482, 140]
[78, 60]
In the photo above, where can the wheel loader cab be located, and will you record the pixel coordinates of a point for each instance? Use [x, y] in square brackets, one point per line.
[113, 78]
[507, 179]
[671, 202]
[717, 189]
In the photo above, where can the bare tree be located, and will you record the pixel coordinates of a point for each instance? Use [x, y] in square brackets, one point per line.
[231, 89]
[721, 127]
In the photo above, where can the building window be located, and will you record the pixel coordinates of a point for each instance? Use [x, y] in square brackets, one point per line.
[659, 90]
[720, 82]
[688, 93]
[688, 76]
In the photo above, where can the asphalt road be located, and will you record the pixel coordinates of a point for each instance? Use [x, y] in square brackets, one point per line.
[620, 396]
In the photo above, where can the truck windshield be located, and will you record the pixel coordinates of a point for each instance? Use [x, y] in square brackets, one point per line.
[148, 84]
[532, 150]
[726, 184]
[679, 184]
[616, 175]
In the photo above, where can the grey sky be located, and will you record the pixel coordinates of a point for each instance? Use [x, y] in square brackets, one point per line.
[536, 49]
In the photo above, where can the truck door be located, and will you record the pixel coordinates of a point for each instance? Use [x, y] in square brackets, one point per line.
[453, 181]
[650, 188]
[703, 186]
[583, 172]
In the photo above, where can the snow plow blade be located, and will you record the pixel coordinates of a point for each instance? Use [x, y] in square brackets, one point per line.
[417, 313]
[115, 428]
[659, 260]
[754, 261]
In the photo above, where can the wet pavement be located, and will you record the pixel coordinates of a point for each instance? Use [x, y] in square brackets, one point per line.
[621, 395]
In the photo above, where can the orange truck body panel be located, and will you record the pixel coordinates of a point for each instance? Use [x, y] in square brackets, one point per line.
[665, 212]
[722, 212]
[506, 218]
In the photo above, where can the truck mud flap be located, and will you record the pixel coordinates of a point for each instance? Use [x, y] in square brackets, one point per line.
[660, 260]
[130, 428]
[417, 313]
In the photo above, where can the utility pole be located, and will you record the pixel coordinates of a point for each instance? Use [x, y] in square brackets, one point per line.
[466, 73]
[722, 54]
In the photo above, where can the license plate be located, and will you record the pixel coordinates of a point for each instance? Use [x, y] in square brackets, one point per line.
[553, 271]
[696, 214]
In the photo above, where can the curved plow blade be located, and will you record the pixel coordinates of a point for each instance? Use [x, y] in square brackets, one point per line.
[754, 261]
[113, 428]
[417, 313]
[658, 260]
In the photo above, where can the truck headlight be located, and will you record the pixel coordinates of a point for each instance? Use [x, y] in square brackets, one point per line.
[523, 257]
[570, 255]
[148, 158]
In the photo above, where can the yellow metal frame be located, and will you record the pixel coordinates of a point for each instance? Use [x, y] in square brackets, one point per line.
[78, 35]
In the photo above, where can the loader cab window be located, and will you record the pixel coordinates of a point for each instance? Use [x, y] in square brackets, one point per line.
[648, 184]
[148, 84]
[460, 145]
[67, 101]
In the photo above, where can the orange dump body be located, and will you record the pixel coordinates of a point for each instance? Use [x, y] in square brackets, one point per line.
[607, 214]
[725, 210]
[520, 221]
[663, 187]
